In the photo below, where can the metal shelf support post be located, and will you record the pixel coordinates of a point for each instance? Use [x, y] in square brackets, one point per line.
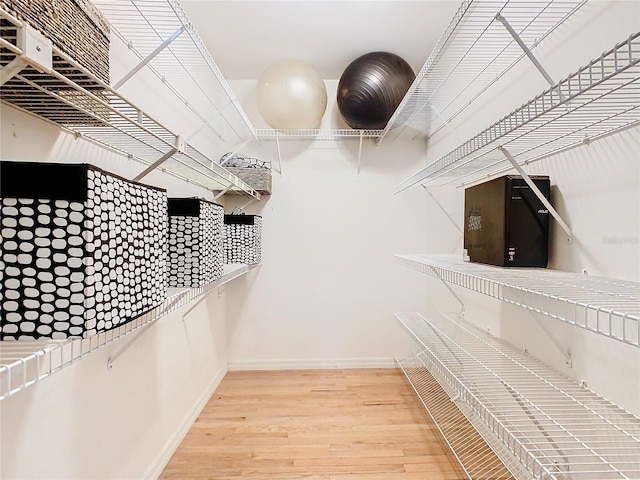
[539, 194]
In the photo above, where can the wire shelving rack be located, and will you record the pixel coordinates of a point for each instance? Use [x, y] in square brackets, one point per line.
[601, 305]
[74, 98]
[25, 363]
[183, 63]
[458, 427]
[542, 424]
[473, 53]
[601, 98]
[145, 25]
[315, 134]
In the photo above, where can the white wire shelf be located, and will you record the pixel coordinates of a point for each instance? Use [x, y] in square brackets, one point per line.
[473, 53]
[601, 305]
[184, 64]
[187, 67]
[454, 421]
[599, 99]
[315, 134]
[536, 419]
[75, 99]
[25, 363]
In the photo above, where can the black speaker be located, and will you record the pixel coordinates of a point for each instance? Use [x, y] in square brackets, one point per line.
[506, 224]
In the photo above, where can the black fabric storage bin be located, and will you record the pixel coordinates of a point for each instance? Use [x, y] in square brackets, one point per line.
[195, 242]
[243, 239]
[506, 224]
[81, 250]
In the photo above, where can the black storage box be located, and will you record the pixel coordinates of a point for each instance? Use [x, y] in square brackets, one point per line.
[242, 239]
[506, 224]
[195, 242]
[81, 250]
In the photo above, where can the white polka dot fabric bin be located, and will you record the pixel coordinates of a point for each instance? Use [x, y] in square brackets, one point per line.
[242, 239]
[81, 250]
[195, 242]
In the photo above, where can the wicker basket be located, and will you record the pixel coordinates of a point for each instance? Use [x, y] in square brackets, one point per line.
[254, 172]
[257, 178]
[74, 26]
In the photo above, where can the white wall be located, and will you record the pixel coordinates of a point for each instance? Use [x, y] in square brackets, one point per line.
[328, 283]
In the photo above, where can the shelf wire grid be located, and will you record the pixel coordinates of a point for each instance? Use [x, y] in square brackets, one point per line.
[146, 24]
[185, 65]
[315, 134]
[555, 427]
[72, 97]
[473, 53]
[601, 305]
[600, 98]
[24, 363]
[453, 420]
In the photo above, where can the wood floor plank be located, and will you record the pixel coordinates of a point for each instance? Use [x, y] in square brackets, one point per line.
[313, 425]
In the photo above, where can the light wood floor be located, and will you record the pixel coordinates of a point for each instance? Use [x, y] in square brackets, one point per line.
[313, 425]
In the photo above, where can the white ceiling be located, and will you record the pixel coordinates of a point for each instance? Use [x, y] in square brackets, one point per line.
[246, 36]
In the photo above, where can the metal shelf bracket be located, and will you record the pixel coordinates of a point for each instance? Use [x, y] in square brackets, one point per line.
[451, 290]
[445, 122]
[155, 165]
[221, 193]
[360, 152]
[565, 353]
[35, 50]
[248, 202]
[145, 328]
[538, 194]
[279, 155]
[149, 57]
[12, 69]
[447, 214]
[525, 49]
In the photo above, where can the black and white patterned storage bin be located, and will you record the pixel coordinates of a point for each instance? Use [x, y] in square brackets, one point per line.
[195, 242]
[81, 251]
[242, 239]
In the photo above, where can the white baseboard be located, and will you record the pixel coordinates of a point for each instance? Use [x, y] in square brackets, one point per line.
[312, 363]
[156, 468]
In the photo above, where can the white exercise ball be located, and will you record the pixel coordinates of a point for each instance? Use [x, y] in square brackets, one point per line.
[291, 95]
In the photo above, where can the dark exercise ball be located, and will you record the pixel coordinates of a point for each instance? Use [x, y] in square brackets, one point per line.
[371, 88]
